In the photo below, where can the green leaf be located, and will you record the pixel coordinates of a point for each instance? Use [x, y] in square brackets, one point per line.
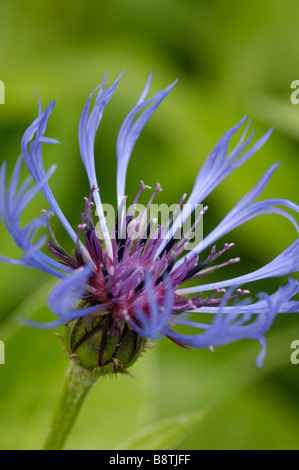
[164, 434]
[276, 110]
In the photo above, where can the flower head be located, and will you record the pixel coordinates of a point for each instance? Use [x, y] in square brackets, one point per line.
[127, 283]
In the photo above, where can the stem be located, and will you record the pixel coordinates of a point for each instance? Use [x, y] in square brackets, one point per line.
[78, 382]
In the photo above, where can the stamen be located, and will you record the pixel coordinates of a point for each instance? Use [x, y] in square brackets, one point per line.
[158, 189]
[80, 228]
[201, 214]
[143, 186]
[173, 215]
[168, 269]
[184, 241]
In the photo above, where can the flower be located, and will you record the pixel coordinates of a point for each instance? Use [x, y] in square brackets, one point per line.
[130, 283]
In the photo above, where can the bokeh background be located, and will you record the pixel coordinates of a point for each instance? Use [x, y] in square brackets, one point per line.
[232, 59]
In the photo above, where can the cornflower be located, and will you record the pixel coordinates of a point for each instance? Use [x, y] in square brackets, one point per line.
[124, 286]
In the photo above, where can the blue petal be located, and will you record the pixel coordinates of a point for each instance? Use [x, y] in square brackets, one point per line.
[245, 211]
[152, 323]
[215, 169]
[286, 306]
[261, 357]
[34, 163]
[88, 127]
[129, 132]
[12, 204]
[228, 327]
[64, 298]
[285, 263]
[65, 295]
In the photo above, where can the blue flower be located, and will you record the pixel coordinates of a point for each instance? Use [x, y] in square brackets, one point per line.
[140, 280]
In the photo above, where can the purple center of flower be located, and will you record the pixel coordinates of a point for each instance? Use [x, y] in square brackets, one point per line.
[119, 284]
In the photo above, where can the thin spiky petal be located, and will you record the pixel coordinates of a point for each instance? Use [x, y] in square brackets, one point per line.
[88, 127]
[245, 210]
[285, 263]
[130, 131]
[12, 204]
[216, 168]
[227, 325]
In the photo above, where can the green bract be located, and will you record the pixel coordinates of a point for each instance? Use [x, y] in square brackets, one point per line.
[94, 343]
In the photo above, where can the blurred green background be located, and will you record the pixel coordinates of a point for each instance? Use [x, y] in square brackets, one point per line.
[232, 58]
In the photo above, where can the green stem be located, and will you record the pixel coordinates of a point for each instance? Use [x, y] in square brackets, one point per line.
[78, 382]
